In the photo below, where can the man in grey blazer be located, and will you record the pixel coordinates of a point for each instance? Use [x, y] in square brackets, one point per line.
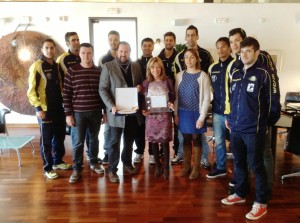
[120, 73]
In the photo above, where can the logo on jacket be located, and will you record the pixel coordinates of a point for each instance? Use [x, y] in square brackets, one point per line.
[173, 69]
[49, 76]
[250, 87]
[213, 78]
[252, 78]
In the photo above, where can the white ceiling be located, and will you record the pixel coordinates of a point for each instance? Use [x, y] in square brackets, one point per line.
[162, 1]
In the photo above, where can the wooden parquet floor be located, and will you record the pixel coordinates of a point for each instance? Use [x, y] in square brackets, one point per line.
[27, 197]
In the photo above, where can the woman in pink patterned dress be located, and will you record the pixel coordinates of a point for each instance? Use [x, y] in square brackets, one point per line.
[158, 124]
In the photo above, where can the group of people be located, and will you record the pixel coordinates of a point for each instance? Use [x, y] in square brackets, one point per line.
[242, 88]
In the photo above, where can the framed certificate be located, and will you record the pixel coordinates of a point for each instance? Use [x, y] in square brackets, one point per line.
[157, 103]
[127, 101]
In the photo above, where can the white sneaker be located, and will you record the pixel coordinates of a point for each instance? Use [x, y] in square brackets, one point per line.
[151, 159]
[51, 174]
[97, 169]
[177, 159]
[138, 158]
[62, 166]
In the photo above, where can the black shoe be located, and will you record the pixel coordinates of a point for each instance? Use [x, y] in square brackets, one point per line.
[161, 153]
[232, 183]
[205, 164]
[231, 188]
[105, 160]
[89, 159]
[113, 177]
[99, 161]
[216, 173]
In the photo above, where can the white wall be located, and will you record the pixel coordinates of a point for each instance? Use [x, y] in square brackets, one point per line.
[279, 31]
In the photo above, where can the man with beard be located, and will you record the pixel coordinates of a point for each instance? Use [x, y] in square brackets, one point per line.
[120, 73]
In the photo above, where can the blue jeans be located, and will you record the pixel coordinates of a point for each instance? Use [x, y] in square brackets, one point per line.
[220, 134]
[84, 121]
[248, 148]
[53, 131]
[87, 140]
[205, 147]
[180, 144]
[106, 135]
[268, 160]
[129, 132]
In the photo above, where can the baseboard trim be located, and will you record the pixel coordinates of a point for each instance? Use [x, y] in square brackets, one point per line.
[22, 125]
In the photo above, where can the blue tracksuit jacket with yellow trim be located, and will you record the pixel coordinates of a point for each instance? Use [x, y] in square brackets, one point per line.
[254, 99]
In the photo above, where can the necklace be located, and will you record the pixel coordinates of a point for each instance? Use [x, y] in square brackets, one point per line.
[124, 66]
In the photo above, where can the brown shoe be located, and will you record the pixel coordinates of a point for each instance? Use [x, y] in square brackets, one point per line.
[113, 177]
[130, 169]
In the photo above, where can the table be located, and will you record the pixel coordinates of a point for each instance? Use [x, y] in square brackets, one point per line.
[16, 143]
[285, 121]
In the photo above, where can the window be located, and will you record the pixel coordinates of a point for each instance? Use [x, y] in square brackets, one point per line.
[100, 27]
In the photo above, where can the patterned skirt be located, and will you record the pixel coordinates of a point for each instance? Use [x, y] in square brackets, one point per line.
[159, 127]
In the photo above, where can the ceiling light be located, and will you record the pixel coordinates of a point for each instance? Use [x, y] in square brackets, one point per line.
[24, 54]
[113, 11]
[221, 20]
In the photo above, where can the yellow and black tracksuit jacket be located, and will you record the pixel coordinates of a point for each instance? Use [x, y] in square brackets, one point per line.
[45, 85]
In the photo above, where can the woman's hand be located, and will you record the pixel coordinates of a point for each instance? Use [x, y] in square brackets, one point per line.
[171, 105]
[199, 124]
[145, 113]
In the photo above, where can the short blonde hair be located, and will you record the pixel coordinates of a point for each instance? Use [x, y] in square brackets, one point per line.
[150, 63]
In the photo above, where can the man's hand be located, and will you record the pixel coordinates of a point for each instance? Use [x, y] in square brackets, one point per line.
[139, 88]
[70, 120]
[41, 114]
[227, 124]
[114, 110]
[104, 118]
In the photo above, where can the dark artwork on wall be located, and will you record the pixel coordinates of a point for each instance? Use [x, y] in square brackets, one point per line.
[14, 71]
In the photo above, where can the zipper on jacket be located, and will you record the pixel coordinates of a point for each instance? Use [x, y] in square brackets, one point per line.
[239, 95]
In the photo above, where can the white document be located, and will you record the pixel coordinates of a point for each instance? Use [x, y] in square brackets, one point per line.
[159, 101]
[126, 100]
